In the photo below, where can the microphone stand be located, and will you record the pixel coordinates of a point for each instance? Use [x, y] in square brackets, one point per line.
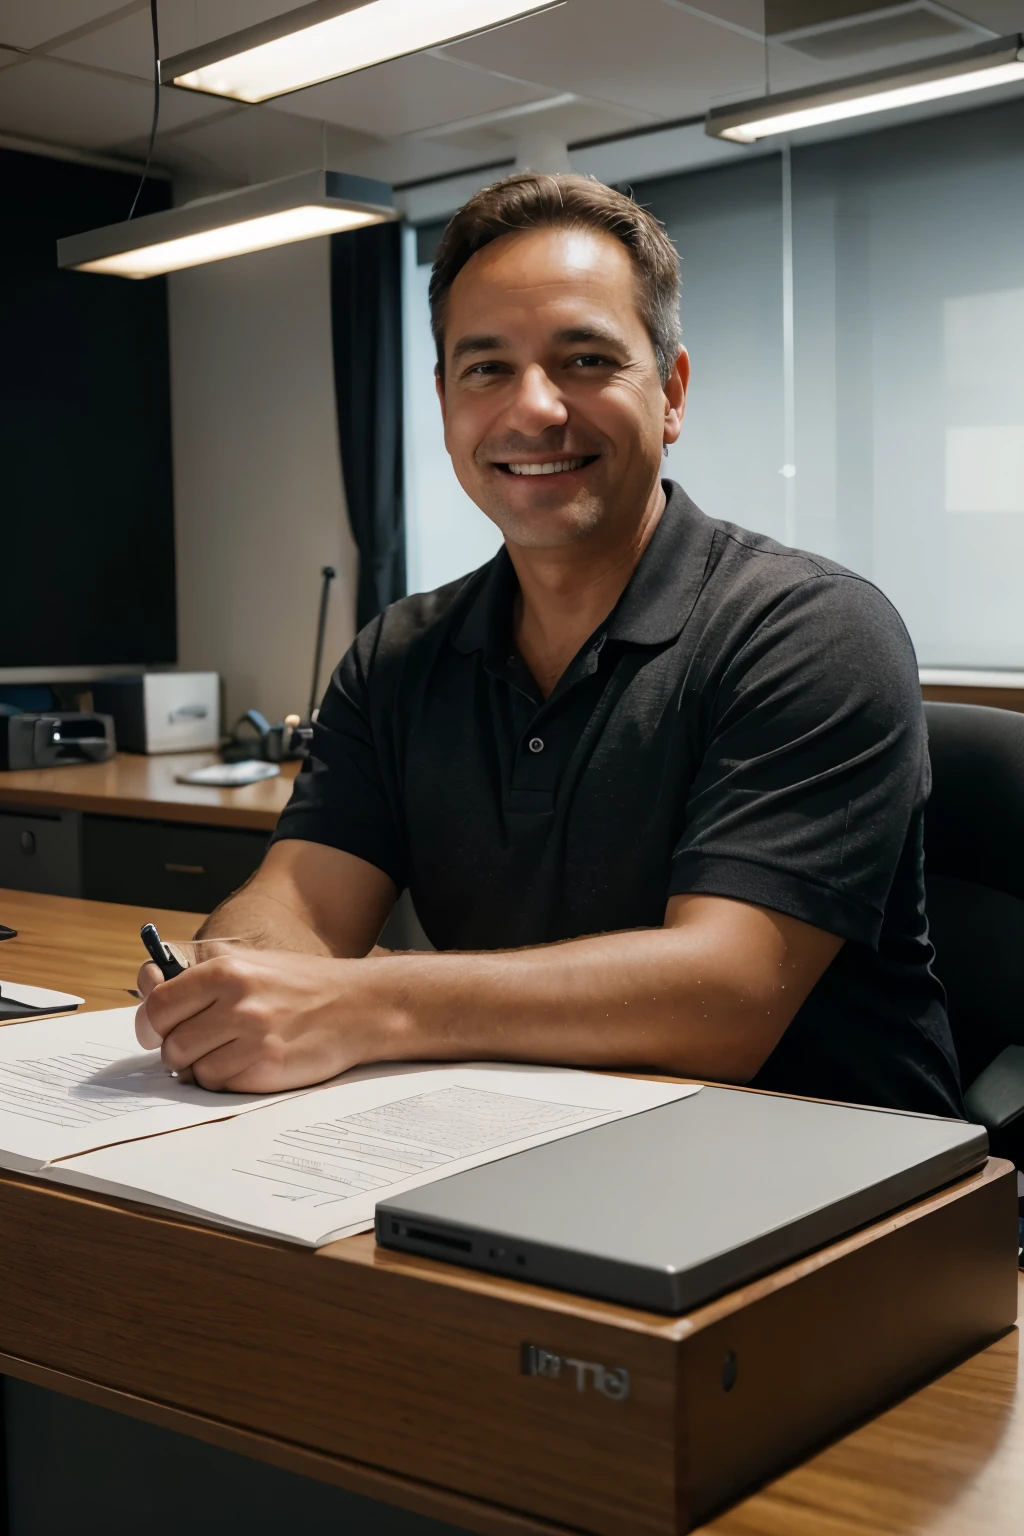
[328, 573]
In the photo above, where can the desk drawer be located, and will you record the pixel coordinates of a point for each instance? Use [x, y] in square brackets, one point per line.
[39, 851]
[164, 863]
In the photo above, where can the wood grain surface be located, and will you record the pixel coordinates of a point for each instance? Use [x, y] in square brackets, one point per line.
[90, 948]
[947, 1461]
[145, 787]
[994, 698]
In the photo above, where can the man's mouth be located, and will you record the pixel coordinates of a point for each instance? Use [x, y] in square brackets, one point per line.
[552, 467]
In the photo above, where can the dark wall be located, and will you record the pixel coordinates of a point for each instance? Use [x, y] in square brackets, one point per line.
[86, 498]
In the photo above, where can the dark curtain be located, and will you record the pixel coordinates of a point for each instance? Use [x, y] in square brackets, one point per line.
[366, 319]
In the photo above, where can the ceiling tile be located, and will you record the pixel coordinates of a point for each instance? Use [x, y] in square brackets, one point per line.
[569, 122]
[257, 144]
[748, 14]
[644, 54]
[408, 94]
[62, 104]
[1002, 16]
[419, 159]
[127, 45]
[28, 23]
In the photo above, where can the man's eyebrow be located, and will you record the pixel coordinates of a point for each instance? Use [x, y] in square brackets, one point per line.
[577, 334]
[469, 344]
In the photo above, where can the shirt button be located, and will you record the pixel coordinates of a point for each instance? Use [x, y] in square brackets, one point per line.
[535, 744]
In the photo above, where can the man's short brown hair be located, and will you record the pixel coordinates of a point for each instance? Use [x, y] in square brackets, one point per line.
[530, 201]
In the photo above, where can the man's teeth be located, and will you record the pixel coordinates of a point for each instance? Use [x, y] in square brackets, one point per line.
[556, 468]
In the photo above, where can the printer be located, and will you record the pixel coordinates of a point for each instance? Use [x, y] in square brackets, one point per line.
[53, 738]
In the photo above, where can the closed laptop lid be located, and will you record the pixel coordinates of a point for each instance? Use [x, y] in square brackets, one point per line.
[667, 1208]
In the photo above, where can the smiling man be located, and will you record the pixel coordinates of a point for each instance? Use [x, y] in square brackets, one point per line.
[655, 783]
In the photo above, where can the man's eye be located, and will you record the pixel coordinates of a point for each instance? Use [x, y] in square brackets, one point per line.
[485, 368]
[592, 360]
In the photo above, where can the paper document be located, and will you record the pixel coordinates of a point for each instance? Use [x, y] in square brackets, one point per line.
[68, 1085]
[313, 1169]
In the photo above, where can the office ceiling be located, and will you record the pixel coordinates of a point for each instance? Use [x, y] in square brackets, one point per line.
[77, 74]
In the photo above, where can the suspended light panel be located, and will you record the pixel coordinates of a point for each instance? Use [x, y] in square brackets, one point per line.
[334, 37]
[231, 224]
[977, 69]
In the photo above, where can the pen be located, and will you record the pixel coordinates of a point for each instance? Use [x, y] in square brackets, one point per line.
[159, 953]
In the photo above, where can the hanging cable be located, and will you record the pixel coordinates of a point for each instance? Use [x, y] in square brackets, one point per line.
[156, 105]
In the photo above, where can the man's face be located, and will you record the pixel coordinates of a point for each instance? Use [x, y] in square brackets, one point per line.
[554, 414]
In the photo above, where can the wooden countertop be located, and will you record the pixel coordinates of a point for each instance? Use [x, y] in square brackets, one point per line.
[946, 1461]
[89, 948]
[145, 787]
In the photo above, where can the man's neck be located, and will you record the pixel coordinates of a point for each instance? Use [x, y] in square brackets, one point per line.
[565, 593]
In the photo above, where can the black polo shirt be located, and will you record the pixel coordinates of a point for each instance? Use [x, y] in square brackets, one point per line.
[746, 723]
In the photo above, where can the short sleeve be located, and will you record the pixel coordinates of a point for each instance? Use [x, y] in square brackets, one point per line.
[814, 760]
[340, 796]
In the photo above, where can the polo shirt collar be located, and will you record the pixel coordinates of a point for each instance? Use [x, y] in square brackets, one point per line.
[653, 609]
[486, 626]
[663, 589]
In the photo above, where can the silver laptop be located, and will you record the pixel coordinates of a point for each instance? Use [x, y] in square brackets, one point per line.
[666, 1209]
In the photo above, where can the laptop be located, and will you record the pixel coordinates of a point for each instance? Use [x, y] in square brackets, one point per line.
[666, 1209]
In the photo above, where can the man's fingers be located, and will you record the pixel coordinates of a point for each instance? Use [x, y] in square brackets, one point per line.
[149, 977]
[195, 990]
[196, 1037]
[145, 1034]
[239, 1066]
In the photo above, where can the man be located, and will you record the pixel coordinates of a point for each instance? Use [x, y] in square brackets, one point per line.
[656, 784]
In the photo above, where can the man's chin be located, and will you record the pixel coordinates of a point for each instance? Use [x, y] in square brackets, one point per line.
[549, 522]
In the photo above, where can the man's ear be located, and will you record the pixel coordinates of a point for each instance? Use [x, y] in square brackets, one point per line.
[439, 386]
[676, 386]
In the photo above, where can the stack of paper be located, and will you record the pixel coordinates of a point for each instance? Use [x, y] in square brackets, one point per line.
[69, 1085]
[80, 1106]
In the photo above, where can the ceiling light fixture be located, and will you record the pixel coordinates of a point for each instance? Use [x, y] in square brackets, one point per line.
[230, 224]
[1000, 62]
[334, 37]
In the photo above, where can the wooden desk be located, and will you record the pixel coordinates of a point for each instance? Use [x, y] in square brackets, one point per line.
[948, 1459]
[89, 948]
[144, 788]
[126, 831]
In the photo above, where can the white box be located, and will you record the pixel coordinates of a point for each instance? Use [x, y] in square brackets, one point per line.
[162, 711]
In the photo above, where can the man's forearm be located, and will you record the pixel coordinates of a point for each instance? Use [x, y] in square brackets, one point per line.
[306, 898]
[659, 1000]
[262, 921]
[707, 996]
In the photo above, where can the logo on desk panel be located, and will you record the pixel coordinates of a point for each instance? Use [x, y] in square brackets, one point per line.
[590, 1376]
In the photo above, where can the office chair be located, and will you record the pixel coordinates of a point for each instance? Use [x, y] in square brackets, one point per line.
[974, 880]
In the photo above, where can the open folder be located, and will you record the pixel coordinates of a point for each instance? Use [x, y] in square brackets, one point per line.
[81, 1105]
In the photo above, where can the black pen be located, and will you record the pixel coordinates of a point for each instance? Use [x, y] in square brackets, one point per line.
[159, 953]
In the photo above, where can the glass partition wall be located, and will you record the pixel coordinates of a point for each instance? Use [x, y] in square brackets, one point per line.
[854, 311]
[857, 340]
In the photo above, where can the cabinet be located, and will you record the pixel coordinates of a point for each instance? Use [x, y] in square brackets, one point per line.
[41, 851]
[118, 858]
[166, 864]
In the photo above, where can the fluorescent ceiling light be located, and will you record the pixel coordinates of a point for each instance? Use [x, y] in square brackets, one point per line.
[977, 69]
[334, 37]
[212, 228]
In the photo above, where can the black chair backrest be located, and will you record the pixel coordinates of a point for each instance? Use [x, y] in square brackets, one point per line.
[974, 875]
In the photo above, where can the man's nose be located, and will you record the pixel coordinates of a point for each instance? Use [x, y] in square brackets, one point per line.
[536, 405]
